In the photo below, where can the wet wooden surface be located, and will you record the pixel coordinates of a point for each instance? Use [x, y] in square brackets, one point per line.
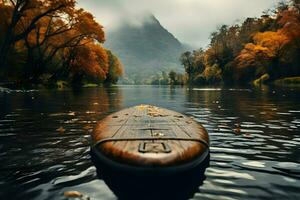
[145, 121]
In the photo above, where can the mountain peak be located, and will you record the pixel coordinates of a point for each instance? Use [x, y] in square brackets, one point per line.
[145, 48]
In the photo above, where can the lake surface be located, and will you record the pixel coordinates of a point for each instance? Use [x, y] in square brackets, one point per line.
[254, 135]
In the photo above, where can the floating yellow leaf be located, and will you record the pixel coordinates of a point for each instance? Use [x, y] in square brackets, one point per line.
[61, 129]
[73, 194]
[87, 127]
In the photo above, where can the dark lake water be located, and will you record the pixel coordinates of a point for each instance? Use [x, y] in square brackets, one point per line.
[254, 134]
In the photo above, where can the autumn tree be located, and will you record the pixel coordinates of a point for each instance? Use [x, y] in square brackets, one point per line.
[251, 58]
[17, 28]
[267, 46]
[54, 40]
[53, 34]
[89, 60]
[270, 50]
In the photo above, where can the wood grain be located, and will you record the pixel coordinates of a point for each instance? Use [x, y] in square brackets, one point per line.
[150, 121]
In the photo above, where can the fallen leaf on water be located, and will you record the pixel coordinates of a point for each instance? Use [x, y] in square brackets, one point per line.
[71, 113]
[90, 112]
[237, 131]
[87, 127]
[61, 129]
[247, 135]
[73, 194]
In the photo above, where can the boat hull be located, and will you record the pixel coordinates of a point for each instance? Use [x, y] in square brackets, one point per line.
[146, 152]
[129, 182]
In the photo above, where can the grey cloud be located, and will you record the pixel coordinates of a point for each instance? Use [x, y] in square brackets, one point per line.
[191, 21]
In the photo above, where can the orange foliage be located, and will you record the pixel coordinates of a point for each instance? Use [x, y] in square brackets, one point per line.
[5, 15]
[273, 41]
[59, 31]
[55, 30]
[87, 25]
[290, 22]
[250, 55]
[266, 46]
[90, 59]
[31, 12]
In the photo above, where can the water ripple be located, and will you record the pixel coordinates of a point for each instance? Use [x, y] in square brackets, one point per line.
[254, 138]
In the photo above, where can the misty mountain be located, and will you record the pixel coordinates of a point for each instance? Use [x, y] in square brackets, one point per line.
[145, 49]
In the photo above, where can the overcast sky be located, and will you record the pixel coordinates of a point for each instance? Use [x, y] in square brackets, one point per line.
[191, 21]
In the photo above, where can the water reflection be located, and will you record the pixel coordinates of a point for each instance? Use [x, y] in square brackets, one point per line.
[254, 136]
[129, 185]
[45, 137]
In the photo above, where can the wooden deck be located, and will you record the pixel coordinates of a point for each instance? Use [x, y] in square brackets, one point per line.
[150, 136]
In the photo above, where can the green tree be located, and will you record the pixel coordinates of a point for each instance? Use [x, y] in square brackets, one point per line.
[186, 60]
[115, 68]
[173, 77]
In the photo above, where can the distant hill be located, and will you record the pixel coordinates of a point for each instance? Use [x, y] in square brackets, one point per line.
[145, 50]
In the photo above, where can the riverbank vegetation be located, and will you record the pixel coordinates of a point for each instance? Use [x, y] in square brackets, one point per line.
[172, 78]
[52, 41]
[260, 50]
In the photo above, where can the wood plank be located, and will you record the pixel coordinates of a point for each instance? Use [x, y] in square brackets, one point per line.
[149, 121]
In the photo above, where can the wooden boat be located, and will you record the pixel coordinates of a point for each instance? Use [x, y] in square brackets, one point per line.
[148, 145]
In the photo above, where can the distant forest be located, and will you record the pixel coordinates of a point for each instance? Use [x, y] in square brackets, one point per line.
[52, 41]
[259, 51]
